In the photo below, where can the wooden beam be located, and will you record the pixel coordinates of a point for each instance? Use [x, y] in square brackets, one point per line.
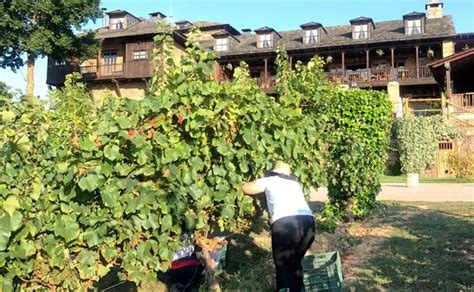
[417, 62]
[367, 58]
[406, 107]
[447, 65]
[98, 63]
[147, 85]
[117, 87]
[343, 54]
[266, 70]
[392, 53]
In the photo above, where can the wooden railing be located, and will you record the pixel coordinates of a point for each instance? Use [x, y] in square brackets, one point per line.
[102, 71]
[463, 100]
[267, 84]
[382, 74]
[422, 106]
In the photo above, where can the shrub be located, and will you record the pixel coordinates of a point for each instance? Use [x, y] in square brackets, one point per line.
[358, 133]
[462, 164]
[418, 138]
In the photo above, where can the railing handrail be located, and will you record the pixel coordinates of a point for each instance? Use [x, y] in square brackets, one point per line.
[460, 107]
[383, 74]
[463, 94]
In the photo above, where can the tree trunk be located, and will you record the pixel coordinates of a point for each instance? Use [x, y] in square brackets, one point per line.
[30, 79]
[212, 283]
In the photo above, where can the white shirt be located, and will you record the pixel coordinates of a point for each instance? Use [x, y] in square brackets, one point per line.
[284, 197]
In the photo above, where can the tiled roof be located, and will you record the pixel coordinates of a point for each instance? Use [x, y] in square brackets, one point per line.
[361, 19]
[311, 25]
[414, 14]
[386, 31]
[148, 26]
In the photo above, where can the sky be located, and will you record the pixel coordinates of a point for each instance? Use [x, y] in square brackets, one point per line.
[253, 14]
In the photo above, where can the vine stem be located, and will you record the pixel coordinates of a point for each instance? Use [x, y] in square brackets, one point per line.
[50, 287]
[211, 266]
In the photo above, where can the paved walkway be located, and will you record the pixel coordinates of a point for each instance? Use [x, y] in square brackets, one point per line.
[426, 192]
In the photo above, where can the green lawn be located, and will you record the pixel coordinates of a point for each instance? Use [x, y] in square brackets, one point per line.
[403, 179]
[402, 247]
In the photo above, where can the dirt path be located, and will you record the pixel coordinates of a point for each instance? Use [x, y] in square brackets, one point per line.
[428, 192]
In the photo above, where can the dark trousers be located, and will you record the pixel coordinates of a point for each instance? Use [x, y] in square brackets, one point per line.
[292, 236]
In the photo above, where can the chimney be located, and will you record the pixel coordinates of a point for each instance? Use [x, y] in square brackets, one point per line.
[104, 17]
[434, 9]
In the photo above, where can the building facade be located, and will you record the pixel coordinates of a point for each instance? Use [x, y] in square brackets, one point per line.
[363, 53]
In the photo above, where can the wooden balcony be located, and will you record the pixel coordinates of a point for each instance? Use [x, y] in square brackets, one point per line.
[367, 77]
[380, 77]
[102, 71]
[267, 85]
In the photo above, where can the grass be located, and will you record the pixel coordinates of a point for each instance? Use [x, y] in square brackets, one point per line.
[430, 249]
[403, 179]
[415, 246]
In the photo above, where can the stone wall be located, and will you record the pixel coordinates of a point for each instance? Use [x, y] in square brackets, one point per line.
[132, 90]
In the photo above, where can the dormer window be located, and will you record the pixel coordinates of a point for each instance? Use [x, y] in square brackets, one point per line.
[266, 37]
[184, 24]
[361, 31]
[224, 41]
[311, 36]
[414, 26]
[117, 23]
[222, 45]
[121, 19]
[362, 28]
[414, 23]
[312, 32]
[265, 41]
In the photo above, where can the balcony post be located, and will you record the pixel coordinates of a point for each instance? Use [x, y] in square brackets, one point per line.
[98, 63]
[393, 71]
[343, 54]
[291, 62]
[266, 72]
[392, 53]
[447, 66]
[417, 63]
[367, 58]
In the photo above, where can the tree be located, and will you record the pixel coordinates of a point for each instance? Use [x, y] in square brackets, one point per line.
[39, 28]
[5, 91]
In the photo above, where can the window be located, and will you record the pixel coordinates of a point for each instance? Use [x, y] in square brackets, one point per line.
[265, 41]
[361, 31]
[414, 26]
[117, 23]
[140, 55]
[445, 145]
[311, 36]
[59, 63]
[222, 45]
[110, 61]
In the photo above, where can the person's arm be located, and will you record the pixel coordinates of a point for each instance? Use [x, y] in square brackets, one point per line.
[252, 188]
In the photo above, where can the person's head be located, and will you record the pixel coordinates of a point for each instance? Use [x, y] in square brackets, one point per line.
[282, 168]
